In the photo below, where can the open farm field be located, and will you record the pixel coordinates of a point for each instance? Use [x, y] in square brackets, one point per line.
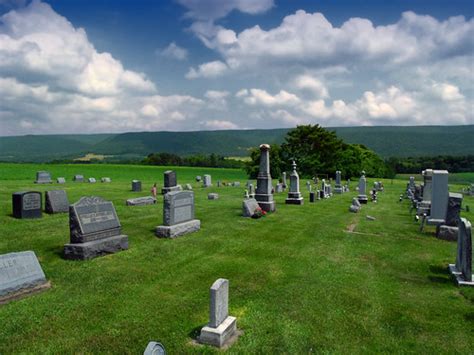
[305, 279]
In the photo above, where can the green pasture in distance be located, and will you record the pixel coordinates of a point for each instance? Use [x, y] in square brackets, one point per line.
[311, 278]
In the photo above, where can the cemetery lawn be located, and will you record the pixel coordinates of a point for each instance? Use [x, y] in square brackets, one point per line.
[311, 278]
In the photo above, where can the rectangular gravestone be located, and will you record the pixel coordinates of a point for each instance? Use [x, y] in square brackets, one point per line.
[43, 177]
[56, 201]
[462, 270]
[249, 206]
[105, 179]
[61, 180]
[171, 181]
[178, 215]
[141, 201]
[20, 275]
[92, 180]
[95, 229]
[439, 197]
[207, 181]
[78, 178]
[27, 204]
[136, 186]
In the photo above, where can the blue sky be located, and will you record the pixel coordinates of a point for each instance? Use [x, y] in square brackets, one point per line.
[113, 66]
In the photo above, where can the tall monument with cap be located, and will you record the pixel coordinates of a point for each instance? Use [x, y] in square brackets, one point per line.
[263, 193]
[294, 195]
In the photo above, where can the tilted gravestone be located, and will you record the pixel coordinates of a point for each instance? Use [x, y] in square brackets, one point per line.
[141, 201]
[249, 206]
[136, 186]
[170, 182]
[56, 201]
[462, 270]
[355, 206]
[61, 180]
[95, 229]
[78, 178]
[20, 275]
[154, 348]
[222, 328]
[43, 177]
[27, 204]
[178, 215]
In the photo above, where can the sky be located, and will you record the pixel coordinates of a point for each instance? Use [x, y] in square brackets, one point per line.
[100, 66]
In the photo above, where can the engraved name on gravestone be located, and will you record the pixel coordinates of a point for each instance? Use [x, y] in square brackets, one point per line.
[20, 273]
[43, 177]
[56, 201]
[27, 204]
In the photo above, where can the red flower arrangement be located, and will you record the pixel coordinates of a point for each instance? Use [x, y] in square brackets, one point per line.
[259, 213]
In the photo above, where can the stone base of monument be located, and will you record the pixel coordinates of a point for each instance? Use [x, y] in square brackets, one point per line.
[294, 199]
[447, 233]
[25, 292]
[165, 190]
[338, 190]
[362, 199]
[95, 248]
[266, 202]
[178, 229]
[221, 336]
[459, 278]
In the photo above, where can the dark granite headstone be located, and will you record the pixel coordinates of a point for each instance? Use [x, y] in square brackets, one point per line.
[43, 177]
[56, 201]
[27, 204]
[170, 182]
[94, 229]
[136, 186]
[20, 275]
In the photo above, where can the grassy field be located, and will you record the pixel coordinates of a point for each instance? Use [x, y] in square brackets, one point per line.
[300, 281]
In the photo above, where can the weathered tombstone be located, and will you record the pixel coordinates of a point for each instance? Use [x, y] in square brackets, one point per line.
[198, 178]
[178, 215]
[188, 187]
[56, 201]
[212, 196]
[154, 348]
[462, 270]
[141, 201]
[61, 180]
[449, 229]
[249, 206]
[27, 204]
[106, 179]
[439, 197]
[170, 182]
[136, 186]
[95, 229]
[355, 206]
[362, 197]
[283, 179]
[78, 178]
[279, 188]
[207, 181]
[43, 177]
[20, 276]
[222, 328]
[264, 194]
[294, 195]
[92, 180]
[337, 186]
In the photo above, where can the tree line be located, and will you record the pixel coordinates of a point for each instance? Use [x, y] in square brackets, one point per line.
[454, 164]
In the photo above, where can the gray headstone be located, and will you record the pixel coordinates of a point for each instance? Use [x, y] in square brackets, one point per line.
[219, 305]
[178, 207]
[464, 256]
[141, 201]
[154, 348]
[198, 178]
[454, 209]
[106, 179]
[136, 186]
[263, 193]
[78, 178]
[19, 271]
[207, 181]
[170, 178]
[212, 196]
[43, 177]
[440, 195]
[92, 180]
[61, 180]
[27, 204]
[249, 206]
[56, 201]
[338, 179]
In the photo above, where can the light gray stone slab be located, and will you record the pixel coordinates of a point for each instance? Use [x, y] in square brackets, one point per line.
[212, 196]
[219, 305]
[106, 179]
[178, 207]
[154, 348]
[56, 201]
[61, 180]
[141, 201]
[178, 229]
[249, 206]
[92, 180]
[43, 177]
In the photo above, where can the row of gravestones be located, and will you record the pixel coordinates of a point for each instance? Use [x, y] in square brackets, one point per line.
[437, 206]
[44, 177]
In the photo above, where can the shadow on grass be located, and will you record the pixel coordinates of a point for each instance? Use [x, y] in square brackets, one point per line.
[194, 333]
[440, 279]
[436, 269]
[58, 251]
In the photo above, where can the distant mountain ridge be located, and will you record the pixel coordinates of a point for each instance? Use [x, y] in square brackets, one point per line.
[387, 141]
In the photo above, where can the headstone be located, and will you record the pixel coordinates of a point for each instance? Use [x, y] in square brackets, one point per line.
[106, 179]
[20, 275]
[207, 181]
[249, 206]
[355, 206]
[312, 196]
[439, 197]
[283, 179]
[454, 209]
[170, 182]
[43, 177]
[27, 204]
[218, 183]
[427, 184]
[56, 201]
[95, 229]
[411, 184]
[462, 270]
[136, 186]
[362, 197]
[178, 215]
[141, 201]
[337, 186]
[188, 187]
[92, 180]
[323, 189]
[294, 195]
[279, 188]
[78, 178]
[212, 196]
[61, 180]
[154, 348]
[264, 194]
[198, 178]
[221, 328]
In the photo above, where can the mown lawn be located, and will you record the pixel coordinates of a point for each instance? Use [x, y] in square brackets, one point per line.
[300, 282]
